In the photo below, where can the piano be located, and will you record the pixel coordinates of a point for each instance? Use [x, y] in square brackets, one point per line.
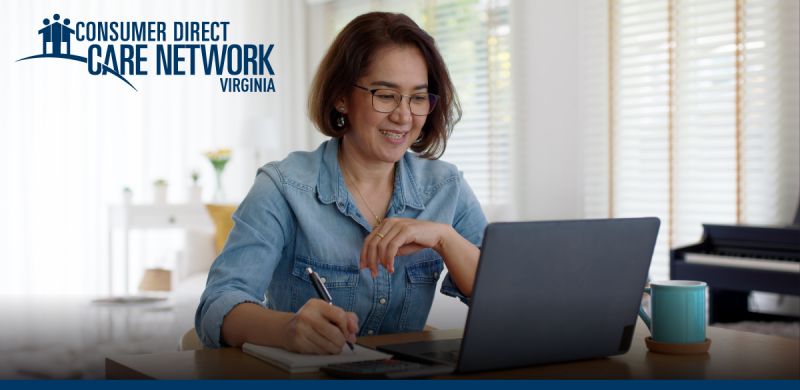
[735, 260]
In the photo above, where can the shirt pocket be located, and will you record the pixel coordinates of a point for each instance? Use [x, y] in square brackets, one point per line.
[340, 280]
[422, 274]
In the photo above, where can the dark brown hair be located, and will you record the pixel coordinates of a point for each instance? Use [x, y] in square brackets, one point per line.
[349, 57]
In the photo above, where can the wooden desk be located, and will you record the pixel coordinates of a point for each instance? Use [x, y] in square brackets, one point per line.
[733, 355]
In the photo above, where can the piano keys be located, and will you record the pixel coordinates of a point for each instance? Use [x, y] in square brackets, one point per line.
[736, 260]
[776, 264]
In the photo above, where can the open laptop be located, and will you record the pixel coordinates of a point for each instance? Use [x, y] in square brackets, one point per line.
[548, 292]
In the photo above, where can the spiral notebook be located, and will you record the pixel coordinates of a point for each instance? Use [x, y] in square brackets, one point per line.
[296, 362]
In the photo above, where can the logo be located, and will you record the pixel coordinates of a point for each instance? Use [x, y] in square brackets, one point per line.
[193, 48]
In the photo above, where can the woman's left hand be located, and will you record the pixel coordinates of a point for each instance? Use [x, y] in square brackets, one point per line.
[400, 237]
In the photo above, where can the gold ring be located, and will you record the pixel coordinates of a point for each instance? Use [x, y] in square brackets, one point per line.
[379, 235]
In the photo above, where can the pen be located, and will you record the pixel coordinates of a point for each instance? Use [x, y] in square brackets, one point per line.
[323, 293]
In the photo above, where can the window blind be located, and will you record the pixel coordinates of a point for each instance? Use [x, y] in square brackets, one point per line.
[473, 37]
[705, 142]
[771, 111]
[640, 104]
[702, 114]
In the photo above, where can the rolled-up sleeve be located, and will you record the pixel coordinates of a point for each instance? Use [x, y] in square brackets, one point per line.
[469, 222]
[243, 271]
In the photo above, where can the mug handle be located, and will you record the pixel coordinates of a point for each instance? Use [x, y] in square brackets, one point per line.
[643, 314]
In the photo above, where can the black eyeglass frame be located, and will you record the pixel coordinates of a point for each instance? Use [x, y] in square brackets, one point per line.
[432, 99]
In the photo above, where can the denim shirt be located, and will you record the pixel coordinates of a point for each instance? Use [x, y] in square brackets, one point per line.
[299, 213]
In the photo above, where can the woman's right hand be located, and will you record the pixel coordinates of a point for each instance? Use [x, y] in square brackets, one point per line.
[320, 328]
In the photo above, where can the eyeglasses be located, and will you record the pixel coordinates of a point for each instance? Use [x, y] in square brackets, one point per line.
[387, 100]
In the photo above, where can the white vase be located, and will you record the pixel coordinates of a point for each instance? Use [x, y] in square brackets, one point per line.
[219, 193]
[127, 197]
[160, 194]
[195, 194]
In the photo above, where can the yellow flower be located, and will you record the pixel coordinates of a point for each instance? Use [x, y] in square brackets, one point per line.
[219, 154]
[219, 158]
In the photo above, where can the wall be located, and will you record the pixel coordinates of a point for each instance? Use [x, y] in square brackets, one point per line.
[548, 140]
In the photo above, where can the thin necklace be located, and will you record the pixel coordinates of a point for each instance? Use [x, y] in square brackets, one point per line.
[378, 220]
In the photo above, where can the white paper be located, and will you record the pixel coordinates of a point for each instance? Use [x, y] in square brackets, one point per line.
[296, 362]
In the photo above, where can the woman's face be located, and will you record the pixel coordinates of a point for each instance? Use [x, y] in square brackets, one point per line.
[385, 137]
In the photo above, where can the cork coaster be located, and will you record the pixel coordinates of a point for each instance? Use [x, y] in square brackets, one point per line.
[677, 349]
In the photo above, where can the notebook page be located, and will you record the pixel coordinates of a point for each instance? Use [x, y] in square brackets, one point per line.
[296, 362]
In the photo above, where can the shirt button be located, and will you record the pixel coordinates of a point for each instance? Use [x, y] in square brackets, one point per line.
[382, 301]
[370, 332]
[436, 275]
[322, 279]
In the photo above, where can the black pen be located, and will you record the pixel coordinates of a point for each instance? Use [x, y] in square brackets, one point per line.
[323, 293]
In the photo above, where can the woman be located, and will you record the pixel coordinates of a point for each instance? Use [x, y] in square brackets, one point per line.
[375, 221]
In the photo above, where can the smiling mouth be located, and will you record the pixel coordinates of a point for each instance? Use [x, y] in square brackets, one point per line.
[392, 135]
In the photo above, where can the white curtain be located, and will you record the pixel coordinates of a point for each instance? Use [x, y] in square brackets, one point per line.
[72, 141]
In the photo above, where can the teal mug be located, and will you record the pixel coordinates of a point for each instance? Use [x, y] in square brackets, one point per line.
[678, 311]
